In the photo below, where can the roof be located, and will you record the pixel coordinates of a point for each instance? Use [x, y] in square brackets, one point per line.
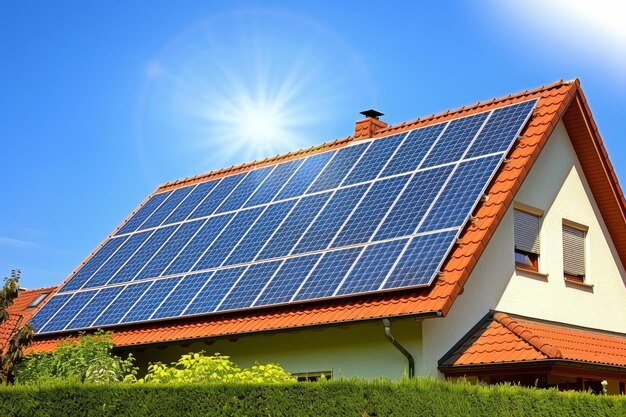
[563, 99]
[503, 338]
[19, 312]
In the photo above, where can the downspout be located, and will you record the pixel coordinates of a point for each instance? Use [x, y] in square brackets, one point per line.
[398, 346]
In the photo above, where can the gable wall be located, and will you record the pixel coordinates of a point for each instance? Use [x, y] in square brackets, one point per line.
[556, 186]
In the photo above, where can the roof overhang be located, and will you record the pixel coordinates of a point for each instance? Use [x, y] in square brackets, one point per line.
[502, 343]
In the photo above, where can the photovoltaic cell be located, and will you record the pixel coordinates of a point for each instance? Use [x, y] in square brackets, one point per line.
[213, 293]
[166, 208]
[94, 307]
[330, 219]
[217, 196]
[501, 129]
[293, 227]
[92, 265]
[198, 244]
[191, 202]
[219, 250]
[143, 213]
[245, 189]
[389, 208]
[336, 170]
[372, 267]
[374, 160]
[307, 172]
[274, 182]
[142, 255]
[328, 273]
[370, 212]
[120, 306]
[287, 280]
[176, 302]
[409, 209]
[68, 311]
[169, 250]
[419, 263]
[150, 300]
[248, 287]
[413, 149]
[118, 259]
[48, 310]
[248, 248]
[460, 194]
[455, 140]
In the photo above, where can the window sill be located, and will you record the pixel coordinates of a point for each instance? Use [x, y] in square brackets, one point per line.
[531, 272]
[582, 285]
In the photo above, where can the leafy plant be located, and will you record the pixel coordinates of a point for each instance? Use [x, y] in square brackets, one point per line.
[20, 336]
[88, 359]
[200, 368]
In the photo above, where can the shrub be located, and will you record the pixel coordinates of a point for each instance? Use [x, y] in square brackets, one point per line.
[418, 397]
[197, 367]
[88, 359]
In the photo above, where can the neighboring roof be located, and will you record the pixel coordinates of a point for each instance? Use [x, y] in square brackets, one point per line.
[503, 338]
[561, 99]
[19, 312]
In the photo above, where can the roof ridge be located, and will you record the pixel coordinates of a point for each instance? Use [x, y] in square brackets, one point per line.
[474, 106]
[383, 132]
[528, 336]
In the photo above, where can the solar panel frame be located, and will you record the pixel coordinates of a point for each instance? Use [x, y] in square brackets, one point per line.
[363, 247]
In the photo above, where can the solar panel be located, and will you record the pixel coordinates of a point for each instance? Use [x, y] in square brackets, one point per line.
[376, 215]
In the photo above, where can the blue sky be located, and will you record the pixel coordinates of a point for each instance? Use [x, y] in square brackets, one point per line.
[101, 103]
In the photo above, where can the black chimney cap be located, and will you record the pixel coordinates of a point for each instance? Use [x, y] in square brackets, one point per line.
[375, 114]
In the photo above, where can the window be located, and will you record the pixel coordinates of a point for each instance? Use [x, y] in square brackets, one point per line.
[313, 376]
[38, 300]
[574, 253]
[526, 229]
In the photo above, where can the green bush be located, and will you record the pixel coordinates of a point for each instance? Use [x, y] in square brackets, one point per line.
[88, 359]
[197, 367]
[418, 397]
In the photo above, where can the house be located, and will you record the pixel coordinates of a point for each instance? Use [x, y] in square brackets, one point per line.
[532, 288]
[23, 308]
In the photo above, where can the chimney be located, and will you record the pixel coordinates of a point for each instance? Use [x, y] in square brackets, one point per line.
[365, 128]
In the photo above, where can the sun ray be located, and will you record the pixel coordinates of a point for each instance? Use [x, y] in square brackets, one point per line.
[212, 103]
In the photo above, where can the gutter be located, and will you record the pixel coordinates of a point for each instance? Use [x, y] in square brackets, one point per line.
[402, 349]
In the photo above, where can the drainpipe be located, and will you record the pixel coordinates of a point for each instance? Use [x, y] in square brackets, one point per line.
[398, 346]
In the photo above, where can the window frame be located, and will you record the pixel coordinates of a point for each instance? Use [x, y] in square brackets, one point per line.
[533, 263]
[568, 276]
[38, 300]
[314, 376]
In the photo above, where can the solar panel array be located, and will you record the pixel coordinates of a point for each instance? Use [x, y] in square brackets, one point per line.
[375, 215]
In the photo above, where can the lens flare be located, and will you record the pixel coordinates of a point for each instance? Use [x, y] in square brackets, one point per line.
[245, 86]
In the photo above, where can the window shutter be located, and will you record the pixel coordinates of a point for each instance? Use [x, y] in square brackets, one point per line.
[573, 251]
[526, 230]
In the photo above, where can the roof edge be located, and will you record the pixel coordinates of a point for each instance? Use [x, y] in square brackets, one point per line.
[529, 337]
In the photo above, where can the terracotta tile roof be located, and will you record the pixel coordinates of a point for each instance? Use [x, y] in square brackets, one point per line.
[554, 101]
[20, 313]
[504, 338]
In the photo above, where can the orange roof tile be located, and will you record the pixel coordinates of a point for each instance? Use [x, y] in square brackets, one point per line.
[554, 102]
[19, 312]
[504, 338]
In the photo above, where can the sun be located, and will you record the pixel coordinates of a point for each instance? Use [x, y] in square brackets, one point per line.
[260, 123]
[245, 86]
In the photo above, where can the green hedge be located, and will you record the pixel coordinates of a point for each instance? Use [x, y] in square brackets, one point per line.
[421, 396]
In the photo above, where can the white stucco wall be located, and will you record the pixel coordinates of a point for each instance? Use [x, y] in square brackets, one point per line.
[556, 185]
